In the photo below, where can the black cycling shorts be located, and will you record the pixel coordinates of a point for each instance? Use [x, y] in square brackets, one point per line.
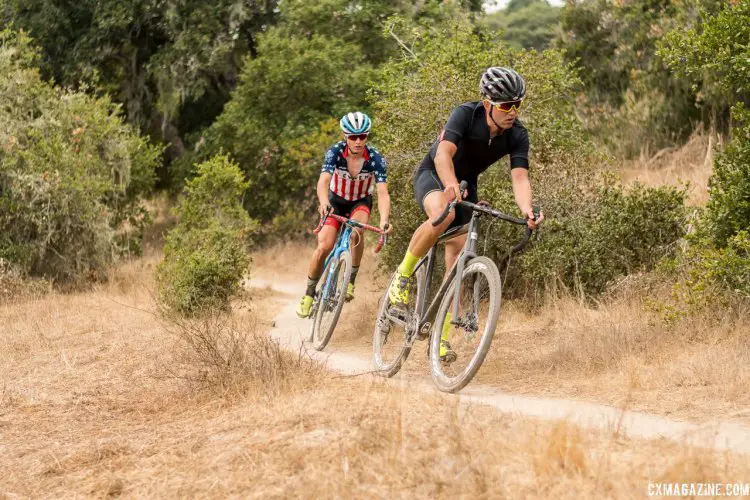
[426, 181]
[346, 208]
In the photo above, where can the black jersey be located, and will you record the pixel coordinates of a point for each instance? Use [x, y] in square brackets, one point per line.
[467, 129]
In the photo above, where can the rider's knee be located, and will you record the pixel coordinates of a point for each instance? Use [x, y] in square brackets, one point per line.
[447, 222]
[325, 246]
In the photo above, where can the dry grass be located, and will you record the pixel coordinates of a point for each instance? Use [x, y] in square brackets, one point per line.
[618, 353]
[230, 356]
[286, 261]
[690, 163]
[87, 411]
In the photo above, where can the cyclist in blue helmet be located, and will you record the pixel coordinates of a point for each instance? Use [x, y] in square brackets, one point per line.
[351, 171]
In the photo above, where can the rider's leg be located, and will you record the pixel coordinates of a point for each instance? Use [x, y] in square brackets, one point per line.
[326, 240]
[423, 239]
[453, 247]
[361, 213]
[426, 235]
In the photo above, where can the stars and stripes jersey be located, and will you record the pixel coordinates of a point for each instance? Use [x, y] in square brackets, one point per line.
[343, 184]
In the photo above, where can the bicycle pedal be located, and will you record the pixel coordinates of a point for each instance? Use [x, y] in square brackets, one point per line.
[398, 313]
[448, 359]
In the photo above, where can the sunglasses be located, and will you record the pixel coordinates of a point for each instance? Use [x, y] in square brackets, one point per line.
[507, 106]
[354, 137]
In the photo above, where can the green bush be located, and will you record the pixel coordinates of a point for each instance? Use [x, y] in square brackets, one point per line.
[714, 267]
[72, 174]
[205, 256]
[596, 230]
[729, 186]
[283, 95]
[707, 279]
[619, 232]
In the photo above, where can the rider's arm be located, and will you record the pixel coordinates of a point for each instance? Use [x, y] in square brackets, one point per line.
[324, 183]
[522, 189]
[444, 164]
[457, 124]
[384, 203]
[519, 172]
[522, 192]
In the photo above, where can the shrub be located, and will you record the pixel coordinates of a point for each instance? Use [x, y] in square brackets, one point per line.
[205, 255]
[15, 286]
[595, 230]
[219, 354]
[729, 186]
[707, 279]
[72, 174]
[620, 232]
[714, 267]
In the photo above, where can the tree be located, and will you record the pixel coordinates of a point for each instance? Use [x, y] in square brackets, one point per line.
[157, 58]
[312, 67]
[528, 24]
[72, 174]
[716, 55]
[294, 84]
[634, 101]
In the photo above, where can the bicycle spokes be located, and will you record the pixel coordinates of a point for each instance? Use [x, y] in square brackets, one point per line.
[463, 338]
[394, 332]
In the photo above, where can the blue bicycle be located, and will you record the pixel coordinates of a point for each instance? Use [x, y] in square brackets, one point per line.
[330, 294]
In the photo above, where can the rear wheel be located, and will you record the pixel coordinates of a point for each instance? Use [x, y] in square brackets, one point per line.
[332, 297]
[393, 327]
[470, 335]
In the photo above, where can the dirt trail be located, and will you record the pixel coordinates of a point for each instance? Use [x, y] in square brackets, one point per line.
[290, 331]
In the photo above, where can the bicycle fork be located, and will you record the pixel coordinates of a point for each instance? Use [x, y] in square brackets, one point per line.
[468, 254]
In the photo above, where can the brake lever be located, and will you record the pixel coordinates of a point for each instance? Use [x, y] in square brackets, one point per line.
[537, 212]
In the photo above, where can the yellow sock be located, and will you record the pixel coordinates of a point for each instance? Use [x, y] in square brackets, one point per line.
[446, 327]
[408, 264]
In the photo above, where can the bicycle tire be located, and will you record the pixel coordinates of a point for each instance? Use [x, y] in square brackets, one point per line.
[316, 302]
[319, 342]
[486, 267]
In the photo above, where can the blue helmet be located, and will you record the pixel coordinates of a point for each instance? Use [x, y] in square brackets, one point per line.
[355, 123]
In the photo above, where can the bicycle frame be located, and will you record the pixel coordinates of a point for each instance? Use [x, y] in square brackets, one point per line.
[467, 252]
[341, 246]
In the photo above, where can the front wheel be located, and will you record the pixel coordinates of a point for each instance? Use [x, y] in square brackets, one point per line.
[332, 298]
[470, 334]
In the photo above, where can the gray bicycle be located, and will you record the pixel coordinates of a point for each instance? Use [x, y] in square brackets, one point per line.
[469, 298]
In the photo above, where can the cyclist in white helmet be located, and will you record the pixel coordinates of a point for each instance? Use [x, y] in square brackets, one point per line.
[351, 171]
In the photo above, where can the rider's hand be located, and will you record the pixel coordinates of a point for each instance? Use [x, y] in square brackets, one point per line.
[386, 227]
[323, 209]
[452, 191]
[534, 224]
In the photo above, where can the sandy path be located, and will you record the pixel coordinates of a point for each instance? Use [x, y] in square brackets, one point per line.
[290, 331]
